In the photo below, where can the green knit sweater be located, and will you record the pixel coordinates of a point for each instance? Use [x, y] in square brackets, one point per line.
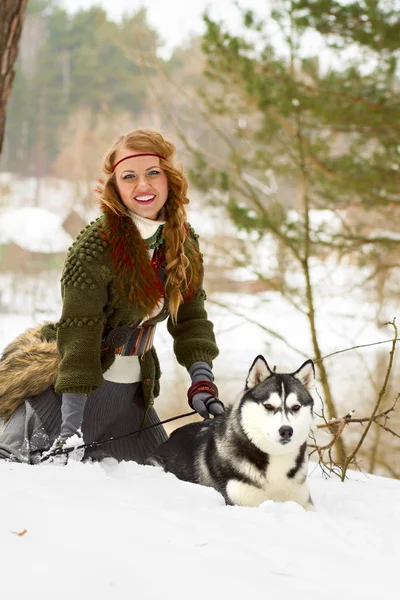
[95, 299]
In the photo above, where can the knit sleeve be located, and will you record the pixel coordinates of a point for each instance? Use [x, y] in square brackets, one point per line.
[193, 334]
[80, 328]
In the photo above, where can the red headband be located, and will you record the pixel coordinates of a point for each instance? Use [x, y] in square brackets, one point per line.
[134, 156]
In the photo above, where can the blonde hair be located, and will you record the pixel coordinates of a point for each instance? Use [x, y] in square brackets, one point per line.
[178, 270]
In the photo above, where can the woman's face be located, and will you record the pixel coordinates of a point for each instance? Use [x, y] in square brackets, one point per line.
[142, 184]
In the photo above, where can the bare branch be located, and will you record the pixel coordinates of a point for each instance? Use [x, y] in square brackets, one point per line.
[381, 395]
[355, 348]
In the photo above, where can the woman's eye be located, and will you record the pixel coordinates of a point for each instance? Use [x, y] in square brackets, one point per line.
[129, 176]
[154, 172]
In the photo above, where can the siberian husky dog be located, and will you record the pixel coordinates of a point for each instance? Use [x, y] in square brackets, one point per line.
[256, 450]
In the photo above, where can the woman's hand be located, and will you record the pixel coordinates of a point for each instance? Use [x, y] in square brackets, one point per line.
[203, 393]
[61, 450]
[72, 407]
[205, 404]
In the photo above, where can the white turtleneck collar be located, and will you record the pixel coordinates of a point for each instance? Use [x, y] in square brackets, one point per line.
[147, 227]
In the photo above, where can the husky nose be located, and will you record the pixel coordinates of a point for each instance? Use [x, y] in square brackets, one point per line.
[286, 432]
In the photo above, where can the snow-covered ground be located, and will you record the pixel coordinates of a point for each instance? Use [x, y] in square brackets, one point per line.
[108, 531]
[34, 229]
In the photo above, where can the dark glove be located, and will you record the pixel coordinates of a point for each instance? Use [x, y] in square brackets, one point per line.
[203, 393]
[72, 407]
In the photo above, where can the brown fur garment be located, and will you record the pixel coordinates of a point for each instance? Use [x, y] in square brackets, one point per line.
[28, 366]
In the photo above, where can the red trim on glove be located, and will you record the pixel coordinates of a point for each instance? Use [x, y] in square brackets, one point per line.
[202, 387]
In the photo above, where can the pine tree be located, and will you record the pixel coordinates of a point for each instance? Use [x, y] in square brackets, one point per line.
[325, 127]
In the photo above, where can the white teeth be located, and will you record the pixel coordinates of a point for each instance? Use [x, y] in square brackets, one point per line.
[144, 198]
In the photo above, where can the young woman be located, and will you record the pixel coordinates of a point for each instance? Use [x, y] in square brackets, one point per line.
[95, 372]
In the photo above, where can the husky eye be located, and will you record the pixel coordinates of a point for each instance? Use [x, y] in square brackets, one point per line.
[296, 408]
[269, 407]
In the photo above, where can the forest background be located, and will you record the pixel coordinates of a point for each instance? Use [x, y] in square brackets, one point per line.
[294, 161]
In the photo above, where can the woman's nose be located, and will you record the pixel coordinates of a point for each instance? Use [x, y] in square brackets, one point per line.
[141, 183]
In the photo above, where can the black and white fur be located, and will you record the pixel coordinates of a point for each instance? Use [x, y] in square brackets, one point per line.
[256, 450]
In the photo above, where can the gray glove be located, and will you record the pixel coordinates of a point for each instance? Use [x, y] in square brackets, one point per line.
[72, 407]
[203, 402]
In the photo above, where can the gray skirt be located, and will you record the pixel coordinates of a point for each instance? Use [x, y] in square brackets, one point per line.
[113, 410]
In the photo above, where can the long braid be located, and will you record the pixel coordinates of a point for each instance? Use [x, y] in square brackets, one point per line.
[178, 268]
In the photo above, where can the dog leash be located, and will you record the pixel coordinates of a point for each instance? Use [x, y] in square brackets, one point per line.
[61, 451]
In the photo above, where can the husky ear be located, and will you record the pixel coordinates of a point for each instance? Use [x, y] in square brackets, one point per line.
[306, 374]
[259, 371]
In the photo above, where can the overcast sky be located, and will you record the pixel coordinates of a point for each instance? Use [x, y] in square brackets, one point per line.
[175, 20]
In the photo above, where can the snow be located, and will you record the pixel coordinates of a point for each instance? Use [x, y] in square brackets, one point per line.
[116, 531]
[56, 195]
[389, 235]
[34, 229]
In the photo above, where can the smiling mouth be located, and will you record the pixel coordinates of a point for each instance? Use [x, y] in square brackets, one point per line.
[145, 199]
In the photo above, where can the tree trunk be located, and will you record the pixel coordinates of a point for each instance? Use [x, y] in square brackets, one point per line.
[12, 13]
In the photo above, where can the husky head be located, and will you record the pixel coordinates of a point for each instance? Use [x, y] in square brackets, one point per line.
[276, 410]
